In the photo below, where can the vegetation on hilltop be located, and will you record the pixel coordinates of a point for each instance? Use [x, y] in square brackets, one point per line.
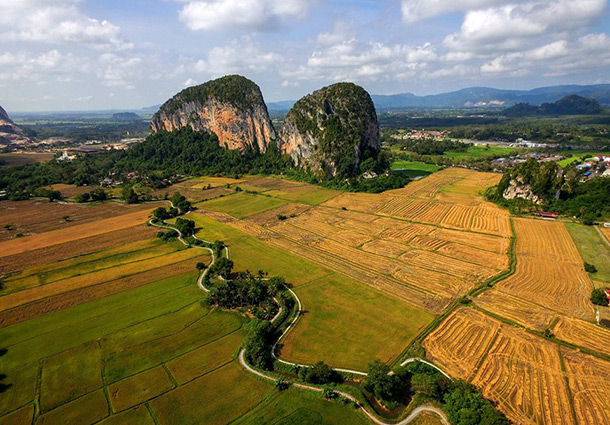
[236, 90]
[341, 119]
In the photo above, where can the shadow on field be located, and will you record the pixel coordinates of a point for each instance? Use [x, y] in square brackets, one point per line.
[4, 387]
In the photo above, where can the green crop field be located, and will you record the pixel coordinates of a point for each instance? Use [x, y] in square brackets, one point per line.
[348, 324]
[293, 407]
[414, 168]
[242, 205]
[310, 195]
[593, 249]
[477, 152]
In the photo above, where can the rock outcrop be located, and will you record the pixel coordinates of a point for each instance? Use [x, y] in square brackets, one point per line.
[11, 134]
[518, 189]
[232, 107]
[327, 131]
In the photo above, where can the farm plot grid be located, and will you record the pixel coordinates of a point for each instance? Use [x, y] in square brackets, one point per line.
[424, 264]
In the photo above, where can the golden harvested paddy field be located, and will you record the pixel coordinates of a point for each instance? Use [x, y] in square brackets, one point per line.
[523, 374]
[589, 380]
[427, 263]
[549, 269]
[584, 334]
[458, 344]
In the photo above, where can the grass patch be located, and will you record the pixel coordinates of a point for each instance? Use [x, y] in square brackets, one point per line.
[348, 324]
[414, 168]
[296, 407]
[22, 387]
[216, 398]
[139, 388]
[242, 205]
[592, 249]
[310, 195]
[478, 152]
[69, 375]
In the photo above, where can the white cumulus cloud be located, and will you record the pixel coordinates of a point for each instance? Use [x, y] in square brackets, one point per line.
[57, 21]
[251, 14]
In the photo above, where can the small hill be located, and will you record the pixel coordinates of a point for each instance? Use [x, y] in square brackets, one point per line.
[232, 107]
[328, 131]
[11, 134]
[126, 116]
[568, 105]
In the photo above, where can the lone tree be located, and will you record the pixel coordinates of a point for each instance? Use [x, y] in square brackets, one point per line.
[590, 268]
[383, 385]
[599, 297]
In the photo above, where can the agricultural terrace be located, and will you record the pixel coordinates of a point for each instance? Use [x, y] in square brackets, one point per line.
[398, 242]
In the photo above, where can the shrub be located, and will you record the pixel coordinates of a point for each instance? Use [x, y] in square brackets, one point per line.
[599, 297]
[590, 268]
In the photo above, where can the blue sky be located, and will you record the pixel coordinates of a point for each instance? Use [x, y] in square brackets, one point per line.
[102, 54]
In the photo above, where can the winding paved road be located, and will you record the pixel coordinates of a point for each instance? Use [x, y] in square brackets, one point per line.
[412, 416]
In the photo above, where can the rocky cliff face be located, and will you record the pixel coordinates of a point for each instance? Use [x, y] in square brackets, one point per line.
[10, 134]
[327, 131]
[232, 107]
[518, 189]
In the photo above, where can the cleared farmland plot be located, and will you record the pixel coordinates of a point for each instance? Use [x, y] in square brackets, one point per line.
[72, 233]
[48, 255]
[549, 269]
[518, 310]
[583, 334]
[589, 379]
[34, 217]
[523, 374]
[459, 343]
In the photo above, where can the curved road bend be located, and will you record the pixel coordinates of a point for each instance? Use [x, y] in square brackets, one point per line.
[412, 416]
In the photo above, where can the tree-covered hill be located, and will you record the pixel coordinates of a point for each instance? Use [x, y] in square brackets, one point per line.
[568, 105]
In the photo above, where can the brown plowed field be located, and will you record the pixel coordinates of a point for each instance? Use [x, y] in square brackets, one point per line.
[38, 257]
[459, 343]
[516, 309]
[549, 269]
[589, 379]
[522, 373]
[72, 233]
[583, 334]
[34, 216]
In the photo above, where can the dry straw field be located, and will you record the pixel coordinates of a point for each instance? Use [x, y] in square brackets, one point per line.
[549, 269]
[426, 244]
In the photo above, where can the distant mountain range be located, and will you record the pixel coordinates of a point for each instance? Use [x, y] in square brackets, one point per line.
[478, 97]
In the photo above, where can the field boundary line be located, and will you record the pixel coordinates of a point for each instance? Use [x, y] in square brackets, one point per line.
[567, 384]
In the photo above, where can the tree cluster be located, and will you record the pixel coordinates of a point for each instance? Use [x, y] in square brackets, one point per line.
[319, 374]
[95, 195]
[599, 297]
